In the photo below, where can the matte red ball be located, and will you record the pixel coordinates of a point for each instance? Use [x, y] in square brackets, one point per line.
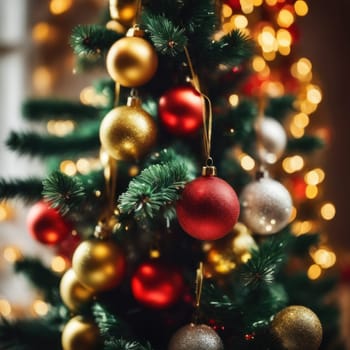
[156, 285]
[181, 111]
[46, 224]
[208, 208]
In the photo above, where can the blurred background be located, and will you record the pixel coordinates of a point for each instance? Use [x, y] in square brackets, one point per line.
[36, 60]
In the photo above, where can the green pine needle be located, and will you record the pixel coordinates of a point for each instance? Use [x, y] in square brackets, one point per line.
[121, 344]
[168, 39]
[41, 278]
[63, 192]
[44, 109]
[31, 143]
[92, 39]
[305, 144]
[27, 190]
[156, 187]
[265, 262]
[232, 49]
[280, 107]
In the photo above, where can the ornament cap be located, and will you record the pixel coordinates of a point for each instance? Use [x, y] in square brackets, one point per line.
[133, 101]
[135, 31]
[209, 170]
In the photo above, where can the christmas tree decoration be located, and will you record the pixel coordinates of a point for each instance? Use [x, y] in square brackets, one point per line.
[99, 264]
[46, 225]
[157, 285]
[128, 132]
[297, 327]
[243, 242]
[272, 140]
[79, 334]
[132, 61]
[181, 110]
[195, 337]
[266, 206]
[73, 293]
[208, 208]
[124, 11]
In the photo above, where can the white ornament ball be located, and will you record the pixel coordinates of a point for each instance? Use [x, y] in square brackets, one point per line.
[266, 206]
[272, 138]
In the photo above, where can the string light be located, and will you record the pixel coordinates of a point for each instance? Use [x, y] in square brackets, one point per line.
[12, 254]
[6, 212]
[247, 162]
[311, 191]
[226, 11]
[240, 21]
[42, 79]
[5, 308]
[285, 18]
[293, 164]
[314, 272]
[299, 228]
[301, 8]
[314, 177]
[40, 307]
[59, 264]
[83, 166]
[301, 120]
[324, 257]
[60, 127]
[233, 100]
[43, 32]
[57, 7]
[328, 211]
[68, 167]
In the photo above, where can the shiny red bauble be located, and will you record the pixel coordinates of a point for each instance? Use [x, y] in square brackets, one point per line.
[208, 208]
[46, 224]
[181, 111]
[234, 4]
[157, 285]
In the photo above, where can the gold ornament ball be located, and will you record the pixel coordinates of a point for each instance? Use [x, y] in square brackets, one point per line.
[132, 61]
[124, 11]
[297, 327]
[73, 293]
[99, 264]
[79, 334]
[128, 133]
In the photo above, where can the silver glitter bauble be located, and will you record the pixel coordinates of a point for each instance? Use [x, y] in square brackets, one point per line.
[266, 206]
[195, 337]
[272, 140]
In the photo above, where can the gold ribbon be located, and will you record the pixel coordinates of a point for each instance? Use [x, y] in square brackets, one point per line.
[207, 110]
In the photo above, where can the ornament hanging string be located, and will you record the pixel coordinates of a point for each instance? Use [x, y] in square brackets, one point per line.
[207, 110]
[199, 284]
[258, 123]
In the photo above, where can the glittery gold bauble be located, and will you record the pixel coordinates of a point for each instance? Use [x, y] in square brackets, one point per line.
[128, 132]
[124, 11]
[99, 264]
[79, 334]
[297, 327]
[132, 60]
[73, 293]
[195, 337]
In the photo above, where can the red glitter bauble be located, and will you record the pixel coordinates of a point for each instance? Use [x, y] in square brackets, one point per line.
[181, 110]
[157, 285]
[46, 224]
[208, 208]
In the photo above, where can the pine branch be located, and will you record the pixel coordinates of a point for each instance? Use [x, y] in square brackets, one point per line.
[156, 187]
[279, 107]
[30, 334]
[265, 262]
[63, 192]
[305, 144]
[28, 190]
[121, 344]
[92, 40]
[41, 278]
[108, 324]
[44, 109]
[232, 49]
[168, 39]
[33, 144]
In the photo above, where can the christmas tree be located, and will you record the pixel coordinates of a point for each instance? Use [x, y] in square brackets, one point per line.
[193, 231]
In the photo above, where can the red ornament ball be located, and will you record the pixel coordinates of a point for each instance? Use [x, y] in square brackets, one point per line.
[46, 224]
[208, 208]
[157, 285]
[181, 111]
